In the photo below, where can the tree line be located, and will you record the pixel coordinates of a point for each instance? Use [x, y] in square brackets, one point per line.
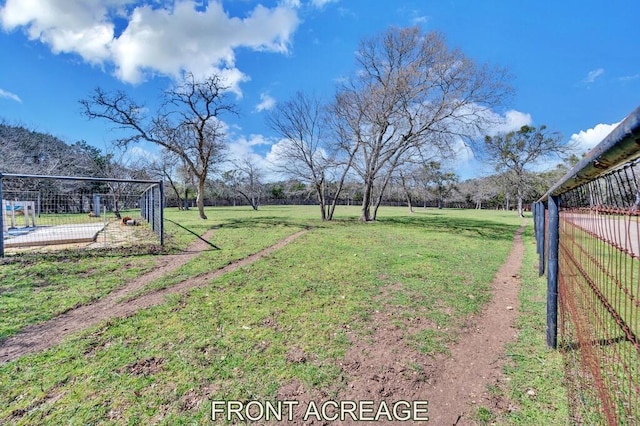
[24, 151]
[382, 137]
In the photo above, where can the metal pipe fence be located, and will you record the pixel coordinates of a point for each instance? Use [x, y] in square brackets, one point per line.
[44, 213]
[588, 238]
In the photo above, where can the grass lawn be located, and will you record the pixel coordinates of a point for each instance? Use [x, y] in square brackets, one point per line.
[230, 340]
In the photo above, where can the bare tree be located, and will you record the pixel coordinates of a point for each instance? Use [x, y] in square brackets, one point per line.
[343, 148]
[245, 179]
[514, 153]
[482, 190]
[188, 123]
[116, 164]
[166, 167]
[407, 182]
[302, 152]
[412, 93]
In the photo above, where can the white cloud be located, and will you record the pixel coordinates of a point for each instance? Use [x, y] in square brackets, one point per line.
[267, 102]
[630, 77]
[464, 160]
[137, 153]
[69, 26]
[292, 3]
[593, 75]
[245, 148]
[322, 3]
[585, 140]
[242, 146]
[419, 20]
[161, 37]
[9, 95]
[492, 123]
[274, 155]
[513, 120]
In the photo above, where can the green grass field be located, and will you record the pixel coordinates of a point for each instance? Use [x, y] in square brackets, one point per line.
[229, 340]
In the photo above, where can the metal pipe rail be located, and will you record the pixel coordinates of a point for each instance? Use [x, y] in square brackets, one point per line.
[620, 146]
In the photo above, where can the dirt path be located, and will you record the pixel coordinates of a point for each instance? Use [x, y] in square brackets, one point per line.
[477, 361]
[42, 336]
[384, 367]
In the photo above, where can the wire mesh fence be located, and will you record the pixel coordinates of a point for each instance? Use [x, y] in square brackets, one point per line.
[44, 213]
[599, 294]
[593, 216]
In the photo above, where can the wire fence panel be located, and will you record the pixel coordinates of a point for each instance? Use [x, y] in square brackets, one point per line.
[44, 213]
[151, 209]
[598, 277]
[599, 288]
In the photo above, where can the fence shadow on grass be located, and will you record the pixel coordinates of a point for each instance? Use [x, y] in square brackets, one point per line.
[480, 228]
[194, 233]
[575, 346]
[472, 227]
[262, 221]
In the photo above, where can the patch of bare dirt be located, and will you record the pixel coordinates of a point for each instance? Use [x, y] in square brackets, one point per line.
[296, 355]
[42, 336]
[296, 391]
[384, 367]
[144, 367]
[48, 400]
[476, 362]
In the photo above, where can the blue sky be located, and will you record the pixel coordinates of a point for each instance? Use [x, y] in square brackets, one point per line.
[575, 64]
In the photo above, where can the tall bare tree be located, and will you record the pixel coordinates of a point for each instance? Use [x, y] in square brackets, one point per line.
[188, 123]
[514, 153]
[411, 93]
[407, 182]
[245, 179]
[303, 152]
[166, 167]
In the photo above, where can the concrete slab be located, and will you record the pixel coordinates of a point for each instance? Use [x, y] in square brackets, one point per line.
[51, 235]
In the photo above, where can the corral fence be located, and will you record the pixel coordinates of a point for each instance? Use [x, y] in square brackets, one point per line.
[44, 213]
[588, 239]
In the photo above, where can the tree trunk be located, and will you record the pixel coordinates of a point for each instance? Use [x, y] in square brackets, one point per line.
[321, 200]
[406, 192]
[520, 196]
[337, 195]
[409, 202]
[200, 198]
[116, 207]
[365, 214]
[186, 199]
[176, 190]
[386, 181]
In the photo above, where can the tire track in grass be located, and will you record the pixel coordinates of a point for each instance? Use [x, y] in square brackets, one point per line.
[39, 337]
[384, 367]
[476, 362]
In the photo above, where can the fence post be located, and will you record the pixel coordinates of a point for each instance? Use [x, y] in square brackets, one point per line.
[540, 234]
[161, 203]
[552, 271]
[96, 205]
[1, 221]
